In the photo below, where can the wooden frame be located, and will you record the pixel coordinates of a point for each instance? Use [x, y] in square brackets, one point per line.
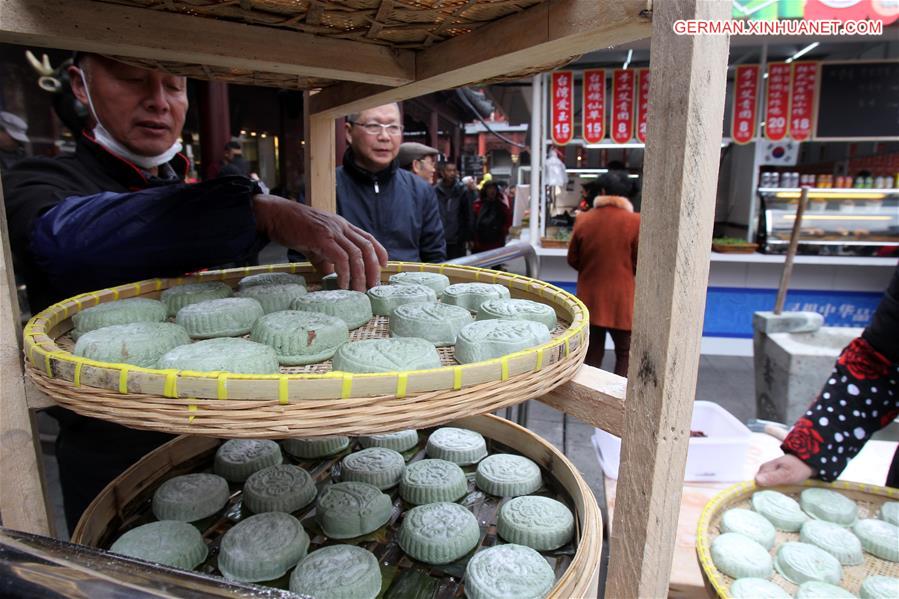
[686, 109]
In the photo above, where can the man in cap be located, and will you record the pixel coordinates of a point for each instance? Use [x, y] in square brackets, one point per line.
[420, 159]
[12, 139]
[455, 200]
[392, 204]
[118, 211]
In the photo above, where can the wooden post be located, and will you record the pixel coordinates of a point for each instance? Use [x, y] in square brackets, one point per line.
[791, 253]
[686, 108]
[22, 497]
[321, 180]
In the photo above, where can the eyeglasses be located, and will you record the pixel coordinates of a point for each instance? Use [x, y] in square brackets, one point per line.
[392, 129]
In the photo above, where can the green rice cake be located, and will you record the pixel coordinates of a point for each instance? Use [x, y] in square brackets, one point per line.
[274, 298]
[398, 441]
[756, 588]
[352, 307]
[749, 524]
[271, 278]
[386, 355]
[179, 296]
[237, 459]
[458, 445]
[434, 280]
[878, 538]
[438, 323]
[301, 337]
[815, 589]
[338, 572]
[471, 295]
[824, 504]
[540, 523]
[126, 311]
[351, 509]
[740, 557]
[226, 354]
[384, 298]
[139, 344]
[801, 562]
[279, 488]
[315, 447]
[488, 339]
[377, 466]
[782, 511]
[262, 547]
[168, 542]
[508, 572]
[889, 512]
[226, 317]
[879, 587]
[507, 475]
[834, 539]
[190, 497]
[431, 481]
[438, 533]
[518, 309]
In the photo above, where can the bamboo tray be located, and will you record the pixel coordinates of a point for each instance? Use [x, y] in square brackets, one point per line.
[125, 503]
[306, 401]
[868, 497]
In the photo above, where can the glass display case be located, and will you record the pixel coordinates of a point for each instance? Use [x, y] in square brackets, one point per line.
[863, 222]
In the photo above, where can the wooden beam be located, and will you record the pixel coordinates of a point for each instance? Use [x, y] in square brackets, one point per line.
[23, 502]
[320, 160]
[686, 108]
[153, 34]
[544, 34]
[594, 396]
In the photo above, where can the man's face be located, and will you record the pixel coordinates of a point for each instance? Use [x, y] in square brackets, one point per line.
[449, 173]
[425, 167]
[375, 150]
[142, 109]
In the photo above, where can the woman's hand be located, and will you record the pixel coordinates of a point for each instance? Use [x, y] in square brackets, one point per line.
[785, 470]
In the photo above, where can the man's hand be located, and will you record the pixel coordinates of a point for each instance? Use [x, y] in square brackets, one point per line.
[785, 470]
[329, 241]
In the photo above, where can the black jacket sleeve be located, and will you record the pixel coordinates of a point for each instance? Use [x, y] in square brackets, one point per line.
[432, 245]
[106, 238]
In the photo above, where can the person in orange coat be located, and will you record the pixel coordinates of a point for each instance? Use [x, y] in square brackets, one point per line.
[603, 249]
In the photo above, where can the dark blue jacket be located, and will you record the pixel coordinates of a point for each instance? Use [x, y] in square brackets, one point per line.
[92, 220]
[395, 206]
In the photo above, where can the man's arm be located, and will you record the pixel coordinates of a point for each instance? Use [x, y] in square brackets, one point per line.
[432, 244]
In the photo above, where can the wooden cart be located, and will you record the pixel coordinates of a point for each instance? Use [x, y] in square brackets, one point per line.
[376, 54]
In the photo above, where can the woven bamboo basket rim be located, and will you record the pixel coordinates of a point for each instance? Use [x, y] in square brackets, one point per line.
[580, 579]
[740, 492]
[225, 404]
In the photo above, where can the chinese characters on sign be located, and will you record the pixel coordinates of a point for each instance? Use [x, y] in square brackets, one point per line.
[562, 99]
[777, 103]
[622, 106]
[802, 104]
[642, 103]
[594, 105]
[746, 85]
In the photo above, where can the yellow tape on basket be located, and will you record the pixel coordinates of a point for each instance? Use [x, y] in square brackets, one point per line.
[402, 380]
[123, 379]
[191, 408]
[282, 390]
[504, 368]
[347, 388]
[457, 378]
[170, 389]
[78, 366]
[539, 363]
[221, 391]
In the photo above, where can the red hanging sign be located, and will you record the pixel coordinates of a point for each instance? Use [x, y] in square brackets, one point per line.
[594, 105]
[622, 106]
[746, 89]
[642, 103]
[562, 98]
[802, 104]
[777, 101]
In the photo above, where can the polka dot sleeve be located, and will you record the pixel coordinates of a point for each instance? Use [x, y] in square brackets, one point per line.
[860, 397]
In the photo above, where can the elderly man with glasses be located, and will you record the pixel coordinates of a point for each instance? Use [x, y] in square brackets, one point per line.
[392, 204]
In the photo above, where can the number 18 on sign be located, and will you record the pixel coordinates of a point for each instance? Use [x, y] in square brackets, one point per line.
[562, 98]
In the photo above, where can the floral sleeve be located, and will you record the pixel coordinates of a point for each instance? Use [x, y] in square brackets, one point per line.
[860, 397]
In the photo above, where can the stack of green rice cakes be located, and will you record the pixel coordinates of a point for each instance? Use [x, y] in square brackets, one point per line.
[397, 514]
[816, 543]
[272, 323]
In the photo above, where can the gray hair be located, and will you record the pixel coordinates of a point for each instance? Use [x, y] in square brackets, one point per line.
[353, 117]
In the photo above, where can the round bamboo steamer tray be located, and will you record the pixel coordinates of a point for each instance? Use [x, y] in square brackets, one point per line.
[868, 497]
[117, 506]
[310, 401]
